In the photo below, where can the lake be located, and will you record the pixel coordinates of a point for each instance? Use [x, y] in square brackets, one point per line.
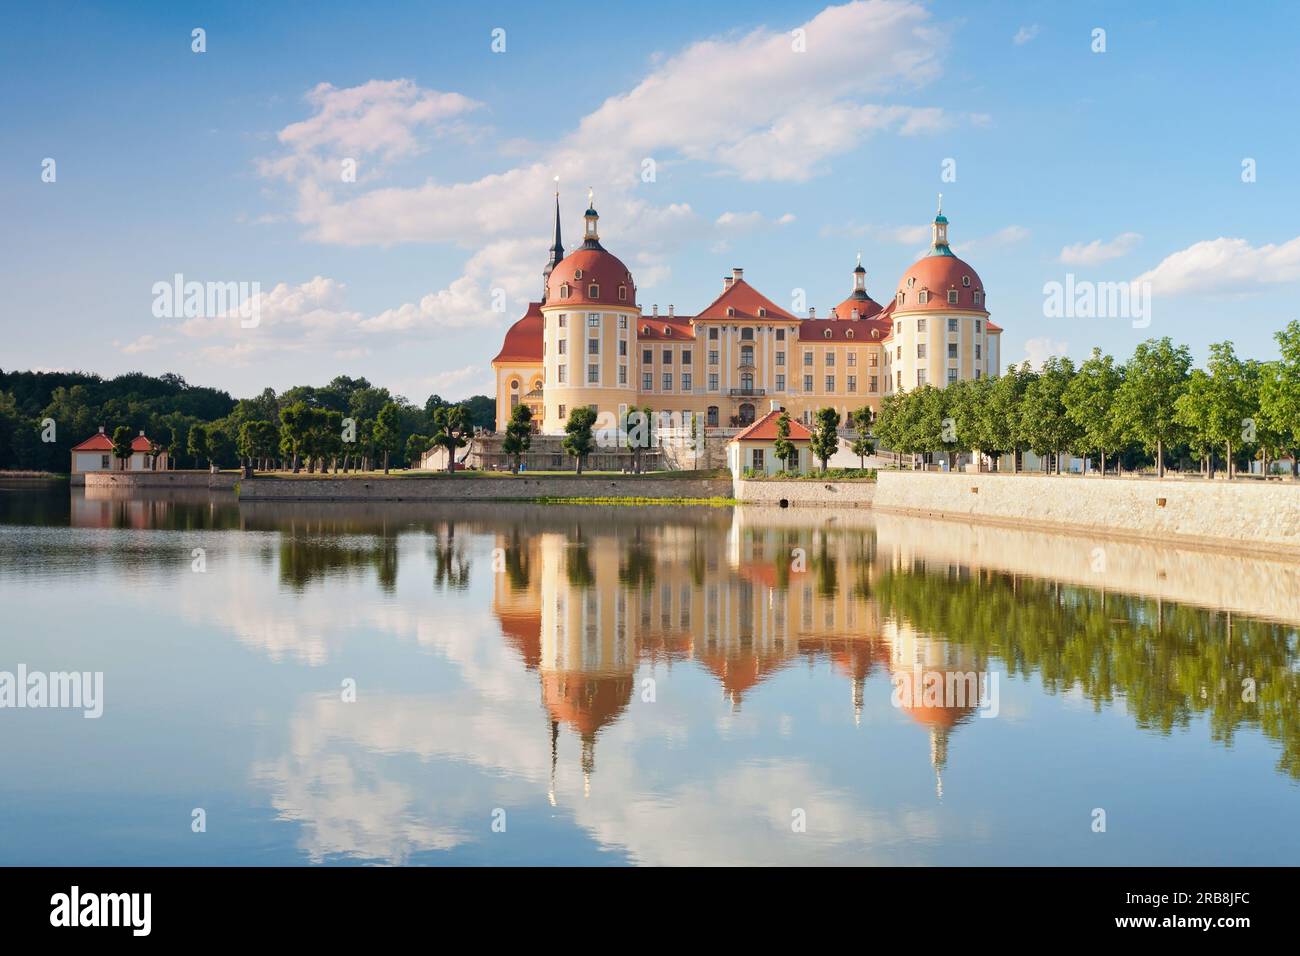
[526, 684]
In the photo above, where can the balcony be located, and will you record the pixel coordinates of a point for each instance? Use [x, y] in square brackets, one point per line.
[747, 392]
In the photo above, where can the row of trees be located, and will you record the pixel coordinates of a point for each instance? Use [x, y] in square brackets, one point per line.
[43, 415]
[1152, 408]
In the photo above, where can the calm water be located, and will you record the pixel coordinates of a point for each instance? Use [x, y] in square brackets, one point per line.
[635, 685]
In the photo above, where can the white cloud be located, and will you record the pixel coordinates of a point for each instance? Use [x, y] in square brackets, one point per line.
[1225, 266]
[1024, 35]
[455, 384]
[1039, 350]
[1092, 253]
[770, 113]
[145, 343]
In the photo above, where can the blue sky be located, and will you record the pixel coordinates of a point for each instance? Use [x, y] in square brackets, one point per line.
[225, 166]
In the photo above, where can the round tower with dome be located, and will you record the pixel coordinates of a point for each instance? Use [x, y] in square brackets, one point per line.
[589, 321]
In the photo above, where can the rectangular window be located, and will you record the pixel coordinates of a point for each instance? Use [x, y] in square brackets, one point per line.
[103, 461]
[686, 356]
[622, 347]
[686, 381]
[952, 350]
[830, 383]
[873, 360]
[647, 357]
[920, 350]
[853, 383]
[561, 373]
[564, 324]
[713, 381]
[647, 381]
[977, 374]
[564, 413]
[807, 384]
[900, 381]
[668, 356]
[757, 458]
[978, 323]
[593, 346]
[952, 296]
[952, 325]
[780, 335]
[830, 358]
[593, 374]
[713, 335]
[713, 357]
[668, 381]
[622, 375]
[564, 346]
[900, 352]
[977, 351]
[853, 359]
[622, 322]
[920, 377]
[780, 359]
[780, 383]
[875, 383]
[920, 325]
[807, 359]
[593, 320]
[952, 375]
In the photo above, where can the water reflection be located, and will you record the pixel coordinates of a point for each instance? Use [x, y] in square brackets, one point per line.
[672, 681]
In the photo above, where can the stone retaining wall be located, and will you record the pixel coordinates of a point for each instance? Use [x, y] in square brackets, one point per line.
[478, 488]
[817, 494]
[1242, 514]
[126, 480]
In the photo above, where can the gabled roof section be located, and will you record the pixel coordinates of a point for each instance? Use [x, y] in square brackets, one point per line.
[673, 328]
[746, 301]
[765, 430]
[97, 442]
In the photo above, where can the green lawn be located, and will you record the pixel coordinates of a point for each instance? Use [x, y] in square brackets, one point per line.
[467, 475]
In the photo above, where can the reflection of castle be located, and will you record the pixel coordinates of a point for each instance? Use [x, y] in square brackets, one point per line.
[596, 606]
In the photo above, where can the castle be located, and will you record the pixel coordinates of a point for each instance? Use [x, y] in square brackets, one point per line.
[588, 343]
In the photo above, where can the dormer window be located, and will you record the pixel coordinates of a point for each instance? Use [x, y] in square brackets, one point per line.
[731, 310]
[577, 274]
[911, 282]
[622, 293]
[848, 334]
[923, 296]
[875, 333]
[979, 296]
[645, 330]
[762, 312]
[593, 291]
[564, 291]
[827, 333]
[900, 298]
[952, 296]
[668, 330]
[965, 281]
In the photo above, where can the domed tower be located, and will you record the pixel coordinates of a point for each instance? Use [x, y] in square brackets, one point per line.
[859, 305]
[941, 330]
[589, 332]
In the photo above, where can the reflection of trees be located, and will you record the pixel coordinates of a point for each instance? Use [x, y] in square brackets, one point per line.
[1169, 662]
[304, 559]
[637, 569]
[450, 563]
[577, 565]
[824, 566]
[516, 559]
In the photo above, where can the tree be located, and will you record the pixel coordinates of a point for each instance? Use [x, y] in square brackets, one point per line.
[416, 445]
[1216, 406]
[1090, 403]
[1279, 392]
[122, 438]
[387, 432]
[293, 431]
[825, 435]
[863, 445]
[1146, 403]
[519, 434]
[257, 441]
[638, 429]
[1006, 408]
[451, 430]
[200, 443]
[783, 448]
[578, 438]
[1044, 425]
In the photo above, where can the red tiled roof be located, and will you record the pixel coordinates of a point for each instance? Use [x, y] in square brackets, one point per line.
[141, 443]
[765, 430]
[938, 275]
[667, 328]
[96, 442]
[864, 305]
[746, 301]
[523, 341]
[603, 269]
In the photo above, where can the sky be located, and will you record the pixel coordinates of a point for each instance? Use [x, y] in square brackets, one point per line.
[784, 138]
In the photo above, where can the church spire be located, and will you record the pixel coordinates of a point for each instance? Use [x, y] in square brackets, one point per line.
[590, 238]
[557, 247]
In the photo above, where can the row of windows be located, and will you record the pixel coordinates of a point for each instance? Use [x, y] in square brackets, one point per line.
[923, 297]
[921, 325]
[593, 291]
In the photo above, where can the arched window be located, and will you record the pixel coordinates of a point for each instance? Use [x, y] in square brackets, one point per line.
[747, 355]
[848, 333]
[712, 419]
[923, 296]
[826, 334]
[564, 291]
